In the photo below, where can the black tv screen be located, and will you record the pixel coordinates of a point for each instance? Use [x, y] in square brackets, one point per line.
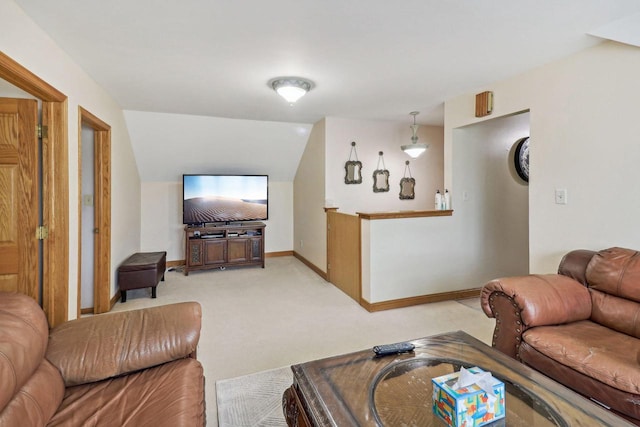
[224, 198]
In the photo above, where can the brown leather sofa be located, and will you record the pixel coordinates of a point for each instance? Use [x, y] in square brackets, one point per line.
[134, 368]
[580, 327]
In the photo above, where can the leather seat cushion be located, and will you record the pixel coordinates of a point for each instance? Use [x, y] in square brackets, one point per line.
[144, 261]
[167, 395]
[594, 350]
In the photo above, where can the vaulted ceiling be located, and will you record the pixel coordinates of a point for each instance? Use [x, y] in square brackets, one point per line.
[374, 60]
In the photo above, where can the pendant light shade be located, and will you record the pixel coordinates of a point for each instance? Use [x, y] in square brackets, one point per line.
[291, 88]
[415, 149]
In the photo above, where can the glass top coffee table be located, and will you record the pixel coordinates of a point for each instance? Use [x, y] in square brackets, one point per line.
[359, 389]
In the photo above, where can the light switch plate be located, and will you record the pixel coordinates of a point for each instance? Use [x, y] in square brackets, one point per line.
[561, 196]
[87, 200]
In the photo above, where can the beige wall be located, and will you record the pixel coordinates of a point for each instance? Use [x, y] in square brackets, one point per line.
[309, 230]
[584, 133]
[22, 40]
[372, 137]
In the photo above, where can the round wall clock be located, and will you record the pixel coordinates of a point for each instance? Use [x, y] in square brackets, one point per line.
[521, 158]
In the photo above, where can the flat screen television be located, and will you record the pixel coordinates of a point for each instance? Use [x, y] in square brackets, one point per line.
[224, 198]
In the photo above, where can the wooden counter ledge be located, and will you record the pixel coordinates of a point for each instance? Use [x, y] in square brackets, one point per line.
[402, 214]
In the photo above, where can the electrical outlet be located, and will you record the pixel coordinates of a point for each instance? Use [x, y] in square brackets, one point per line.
[561, 196]
[301, 243]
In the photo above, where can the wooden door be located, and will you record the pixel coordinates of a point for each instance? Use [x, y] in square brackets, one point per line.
[55, 187]
[19, 196]
[343, 252]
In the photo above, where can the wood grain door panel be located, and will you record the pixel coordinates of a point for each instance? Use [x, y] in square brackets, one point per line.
[19, 196]
[237, 250]
[215, 252]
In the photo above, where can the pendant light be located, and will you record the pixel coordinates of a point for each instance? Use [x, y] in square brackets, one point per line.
[415, 149]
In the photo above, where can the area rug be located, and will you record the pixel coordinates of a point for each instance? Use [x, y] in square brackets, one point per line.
[253, 400]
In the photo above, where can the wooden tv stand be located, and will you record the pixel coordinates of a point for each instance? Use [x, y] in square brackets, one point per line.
[224, 246]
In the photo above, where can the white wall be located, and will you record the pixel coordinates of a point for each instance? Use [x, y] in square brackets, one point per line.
[372, 137]
[310, 237]
[22, 40]
[584, 132]
[161, 218]
[494, 215]
[487, 236]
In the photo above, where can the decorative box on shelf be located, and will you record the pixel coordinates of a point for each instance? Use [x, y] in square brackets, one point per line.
[466, 403]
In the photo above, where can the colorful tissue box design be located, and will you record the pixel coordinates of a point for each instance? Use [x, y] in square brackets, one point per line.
[467, 406]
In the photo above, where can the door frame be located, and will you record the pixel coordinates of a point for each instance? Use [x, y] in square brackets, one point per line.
[102, 211]
[55, 187]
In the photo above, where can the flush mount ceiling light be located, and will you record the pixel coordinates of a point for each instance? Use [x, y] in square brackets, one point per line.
[291, 88]
[415, 148]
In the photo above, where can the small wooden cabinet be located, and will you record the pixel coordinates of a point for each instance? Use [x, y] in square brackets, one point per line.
[215, 246]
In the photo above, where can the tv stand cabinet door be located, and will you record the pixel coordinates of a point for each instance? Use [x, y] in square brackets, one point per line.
[238, 249]
[256, 249]
[194, 257]
[215, 252]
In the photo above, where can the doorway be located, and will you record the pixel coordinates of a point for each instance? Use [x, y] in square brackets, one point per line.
[55, 181]
[87, 227]
[94, 214]
[492, 200]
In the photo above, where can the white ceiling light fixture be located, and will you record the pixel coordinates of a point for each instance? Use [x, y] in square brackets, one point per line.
[291, 88]
[415, 148]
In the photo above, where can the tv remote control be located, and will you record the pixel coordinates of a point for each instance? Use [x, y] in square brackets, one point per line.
[386, 349]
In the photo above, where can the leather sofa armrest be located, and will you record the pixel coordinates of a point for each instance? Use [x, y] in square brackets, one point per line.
[519, 303]
[107, 345]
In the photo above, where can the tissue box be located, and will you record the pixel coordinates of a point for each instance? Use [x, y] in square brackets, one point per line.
[467, 406]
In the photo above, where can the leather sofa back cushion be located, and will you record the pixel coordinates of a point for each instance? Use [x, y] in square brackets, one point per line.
[129, 341]
[616, 271]
[23, 341]
[619, 314]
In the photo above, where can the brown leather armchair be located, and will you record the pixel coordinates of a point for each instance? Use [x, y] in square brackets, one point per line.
[580, 327]
[129, 368]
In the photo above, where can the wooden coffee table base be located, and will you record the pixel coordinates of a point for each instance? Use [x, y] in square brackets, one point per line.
[292, 408]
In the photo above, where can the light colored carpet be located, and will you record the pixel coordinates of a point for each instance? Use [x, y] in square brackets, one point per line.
[253, 400]
[256, 319]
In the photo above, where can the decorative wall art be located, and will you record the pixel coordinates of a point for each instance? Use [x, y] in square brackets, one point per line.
[380, 176]
[353, 168]
[407, 184]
